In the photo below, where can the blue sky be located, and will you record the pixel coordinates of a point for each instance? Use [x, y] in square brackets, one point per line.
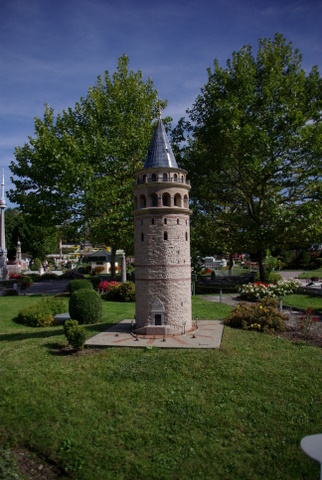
[51, 51]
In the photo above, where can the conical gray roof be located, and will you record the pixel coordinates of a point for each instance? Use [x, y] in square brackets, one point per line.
[160, 152]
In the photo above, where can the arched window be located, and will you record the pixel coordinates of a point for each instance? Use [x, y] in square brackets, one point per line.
[154, 200]
[142, 201]
[181, 178]
[152, 221]
[187, 236]
[175, 177]
[165, 177]
[177, 200]
[142, 237]
[154, 177]
[165, 236]
[166, 200]
[178, 221]
[165, 221]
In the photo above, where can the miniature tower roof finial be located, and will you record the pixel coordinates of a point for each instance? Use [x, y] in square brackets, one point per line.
[2, 199]
[159, 108]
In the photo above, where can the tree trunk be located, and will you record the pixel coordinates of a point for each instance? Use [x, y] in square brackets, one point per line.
[231, 262]
[113, 251]
[262, 273]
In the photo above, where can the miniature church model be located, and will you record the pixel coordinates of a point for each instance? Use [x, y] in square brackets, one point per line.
[162, 242]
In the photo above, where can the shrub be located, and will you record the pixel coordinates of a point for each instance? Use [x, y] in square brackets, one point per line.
[127, 292]
[75, 334]
[118, 292]
[85, 269]
[273, 277]
[79, 285]
[256, 291]
[318, 262]
[263, 316]
[49, 276]
[14, 276]
[99, 270]
[95, 281]
[72, 275]
[35, 266]
[205, 271]
[25, 283]
[85, 306]
[11, 293]
[42, 313]
[314, 279]
[307, 322]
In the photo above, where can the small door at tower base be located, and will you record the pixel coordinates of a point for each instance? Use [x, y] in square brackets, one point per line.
[157, 312]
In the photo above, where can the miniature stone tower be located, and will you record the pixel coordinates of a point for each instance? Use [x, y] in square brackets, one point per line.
[162, 242]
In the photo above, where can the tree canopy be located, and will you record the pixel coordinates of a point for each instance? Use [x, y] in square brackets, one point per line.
[254, 157]
[79, 167]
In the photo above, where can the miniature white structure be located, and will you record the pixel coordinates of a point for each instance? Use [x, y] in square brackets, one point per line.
[3, 251]
[162, 242]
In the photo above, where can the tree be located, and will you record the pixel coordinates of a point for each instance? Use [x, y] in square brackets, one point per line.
[79, 168]
[254, 159]
[37, 241]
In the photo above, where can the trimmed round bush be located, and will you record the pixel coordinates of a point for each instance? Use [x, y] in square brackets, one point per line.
[41, 314]
[75, 285]
[85, 306]
[34, 267]
[75, 334]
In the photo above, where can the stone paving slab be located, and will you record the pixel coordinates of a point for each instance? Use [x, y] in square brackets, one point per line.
[208, 335]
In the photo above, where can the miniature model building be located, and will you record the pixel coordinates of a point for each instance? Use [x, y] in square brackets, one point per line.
[3, 251]
[162, 242]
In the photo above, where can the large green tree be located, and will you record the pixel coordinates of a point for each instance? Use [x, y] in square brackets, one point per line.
[37, 241]
[78, 169]
[254, 158]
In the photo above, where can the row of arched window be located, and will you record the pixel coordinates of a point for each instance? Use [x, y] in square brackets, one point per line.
[165, 221]
[152, 201]
[165, 236]
[164, 177]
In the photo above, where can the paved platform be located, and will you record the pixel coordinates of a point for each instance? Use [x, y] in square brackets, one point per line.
[208, 334]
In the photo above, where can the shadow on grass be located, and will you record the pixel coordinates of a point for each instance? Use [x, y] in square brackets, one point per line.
[53, 332]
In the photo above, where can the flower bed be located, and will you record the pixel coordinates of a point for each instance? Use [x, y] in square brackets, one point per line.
[258, 290]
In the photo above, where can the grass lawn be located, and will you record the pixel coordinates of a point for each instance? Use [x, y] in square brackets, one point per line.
[121, 413]
[311, 273]
[303, 302]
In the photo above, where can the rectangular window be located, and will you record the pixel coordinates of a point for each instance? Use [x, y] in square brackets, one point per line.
[157, 319]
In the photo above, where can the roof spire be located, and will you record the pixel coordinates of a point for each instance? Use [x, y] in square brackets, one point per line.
[160, 153]
[2, 200]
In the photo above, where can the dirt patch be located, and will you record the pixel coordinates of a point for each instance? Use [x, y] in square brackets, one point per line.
[34, 468]
[314, 338]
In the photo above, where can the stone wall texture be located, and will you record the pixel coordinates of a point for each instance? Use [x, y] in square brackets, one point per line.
[162, 261]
